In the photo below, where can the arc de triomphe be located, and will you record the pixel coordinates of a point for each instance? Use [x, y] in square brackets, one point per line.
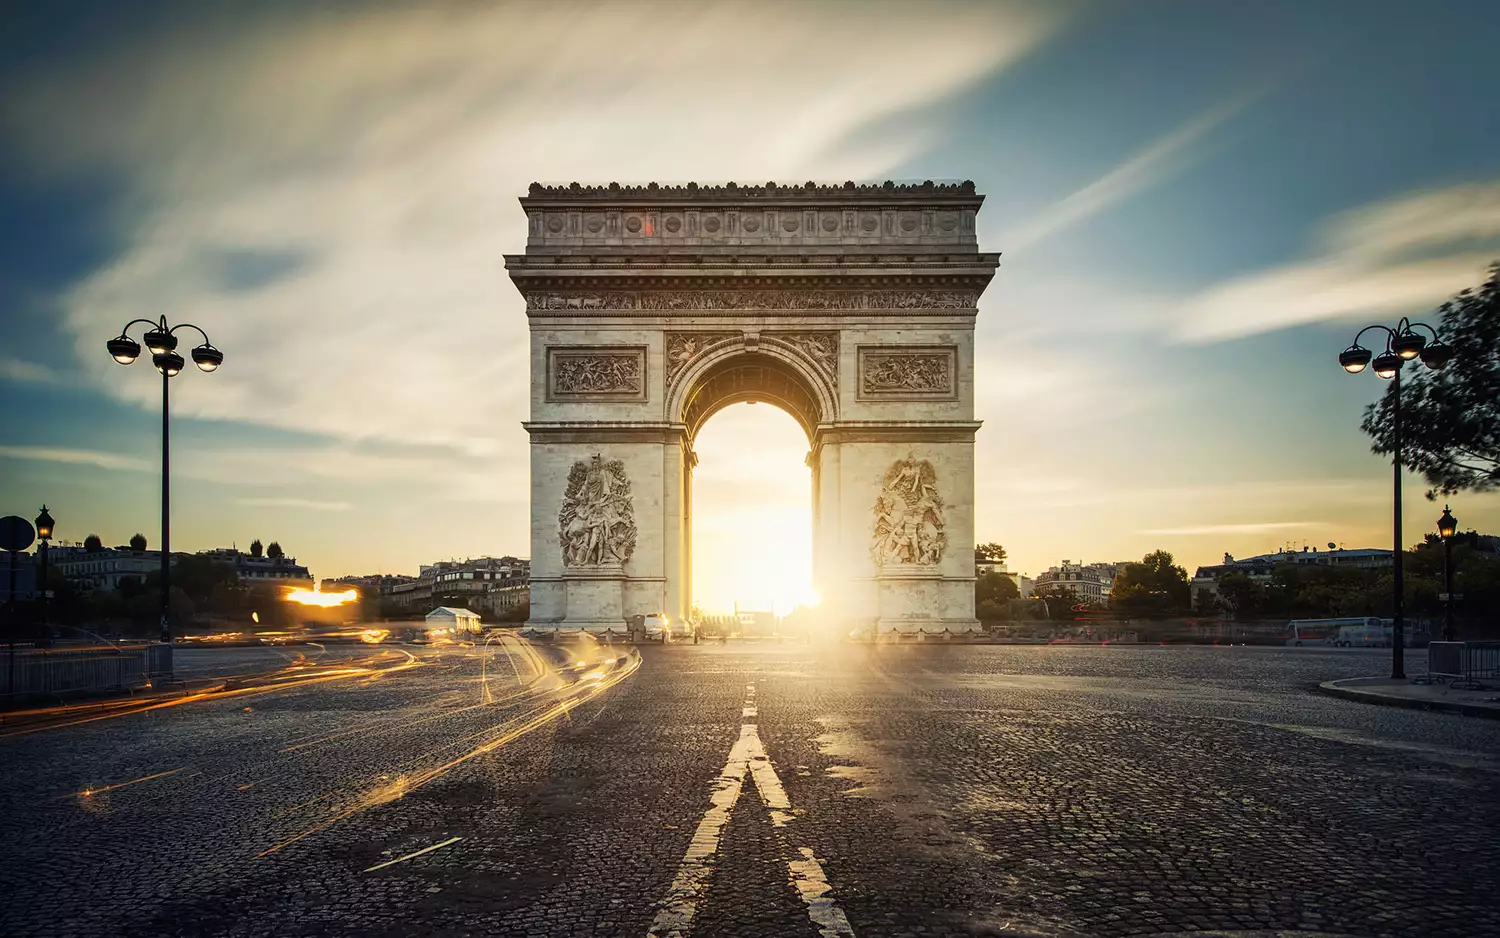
[850, 307]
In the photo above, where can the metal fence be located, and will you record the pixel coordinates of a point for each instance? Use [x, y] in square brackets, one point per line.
[1464, 664]
[50, 671]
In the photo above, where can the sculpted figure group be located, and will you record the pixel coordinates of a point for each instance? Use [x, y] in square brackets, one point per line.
[909, 524]
[596, 525]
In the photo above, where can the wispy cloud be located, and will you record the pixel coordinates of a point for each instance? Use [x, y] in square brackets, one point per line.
[375, 159]
[1150, 166]
[1220, 529]
[12, 369]
[75, 457]
[298, 503]
[1390, 258]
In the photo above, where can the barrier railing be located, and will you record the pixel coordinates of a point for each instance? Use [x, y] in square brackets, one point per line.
[1445, 660]
[50, 671]
[1463, 664]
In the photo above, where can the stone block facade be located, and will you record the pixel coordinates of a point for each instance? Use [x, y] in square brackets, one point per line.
[850, 307]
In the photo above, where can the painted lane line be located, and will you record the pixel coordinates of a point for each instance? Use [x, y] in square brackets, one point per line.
[681, 903]
[748, 712]
[747, 757]
[812, 885]
[418, 853]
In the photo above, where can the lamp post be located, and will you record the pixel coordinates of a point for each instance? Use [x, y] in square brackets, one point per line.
[1447, 527]
[160, 338]
[1402, 344]
[44, 525]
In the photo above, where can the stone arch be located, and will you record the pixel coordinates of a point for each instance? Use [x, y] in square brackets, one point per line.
[752, 369]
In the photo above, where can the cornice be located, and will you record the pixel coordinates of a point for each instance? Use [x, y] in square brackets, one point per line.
[732, 192]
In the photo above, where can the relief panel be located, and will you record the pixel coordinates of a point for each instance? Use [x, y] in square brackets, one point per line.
[908, 372]
[596, 373]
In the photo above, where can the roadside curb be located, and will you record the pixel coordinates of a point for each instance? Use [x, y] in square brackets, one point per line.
[1332, 689]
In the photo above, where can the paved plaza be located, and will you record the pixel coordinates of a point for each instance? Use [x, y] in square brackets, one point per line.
[755, 790]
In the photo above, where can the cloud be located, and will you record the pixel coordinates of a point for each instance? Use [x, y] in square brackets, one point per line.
[330, 196]
[300, 503]
[1150, 166]
[1260, 528]
[76, 457]
[12, 369]
[1388, 259]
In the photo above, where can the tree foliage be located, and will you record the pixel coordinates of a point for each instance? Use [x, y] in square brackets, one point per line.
[1450, 418]
[991, 552]
[256, 549]
[1154, 588]
[1061, 601]
[93, 544]
[138, 541]
[992, 595]
[274, 551]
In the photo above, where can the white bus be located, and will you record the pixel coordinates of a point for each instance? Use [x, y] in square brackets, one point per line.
[1367, 632]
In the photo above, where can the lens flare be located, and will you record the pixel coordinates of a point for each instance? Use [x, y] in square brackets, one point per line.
[315, 597]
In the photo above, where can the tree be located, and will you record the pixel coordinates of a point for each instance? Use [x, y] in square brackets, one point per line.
[1060, 602]
[991, 552]
[92, 544]
[274, 551]
[1450, 417]
[138, 541]
[992, 595]
[256, 550]
[1154, 588]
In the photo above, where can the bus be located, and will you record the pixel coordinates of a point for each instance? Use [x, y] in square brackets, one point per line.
[1365, 632]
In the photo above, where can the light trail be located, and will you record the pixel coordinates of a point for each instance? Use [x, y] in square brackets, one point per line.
[223, 691]
[90, 792]
[414, 854]
[404, 785]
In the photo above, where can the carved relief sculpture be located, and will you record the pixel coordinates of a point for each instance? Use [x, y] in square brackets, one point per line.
[754, 299]
[926, 372]
[596, 372]
[596, 526]
[684, 347]
[821, 347]
[909, 524]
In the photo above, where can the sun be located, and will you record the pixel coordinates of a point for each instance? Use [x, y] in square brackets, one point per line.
[752, 513]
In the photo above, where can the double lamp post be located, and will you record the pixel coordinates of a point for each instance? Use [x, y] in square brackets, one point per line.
[1402, 344]
[160, 338]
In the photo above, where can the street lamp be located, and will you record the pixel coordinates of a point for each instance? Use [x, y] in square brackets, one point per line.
[1402, 344]
[1447, 527]
[160, 338]
[44, 525]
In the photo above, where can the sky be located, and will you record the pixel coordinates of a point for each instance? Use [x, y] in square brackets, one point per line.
[1197, 205]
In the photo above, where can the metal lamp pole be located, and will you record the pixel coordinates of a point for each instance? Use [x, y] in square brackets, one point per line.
[44, 526]
[1402, 344]
[162, 342]
[1447, 527]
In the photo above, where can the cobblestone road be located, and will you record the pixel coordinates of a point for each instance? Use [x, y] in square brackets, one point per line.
[898, 790]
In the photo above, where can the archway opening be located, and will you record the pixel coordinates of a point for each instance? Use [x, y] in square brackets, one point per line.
[751, 513]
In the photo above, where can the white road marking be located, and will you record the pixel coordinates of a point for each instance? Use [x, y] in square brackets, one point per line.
[747, 756]
[381, 866]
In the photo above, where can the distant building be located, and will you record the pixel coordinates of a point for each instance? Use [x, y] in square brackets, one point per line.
[263, 571]
[1261, 567]
[104, 569]
[460, 623]
[489, 584]
[1091, 582]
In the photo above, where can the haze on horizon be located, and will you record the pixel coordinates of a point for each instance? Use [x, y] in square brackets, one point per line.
[1196, 204]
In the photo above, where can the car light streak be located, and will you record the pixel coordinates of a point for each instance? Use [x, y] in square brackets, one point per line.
[405, 784]
[90, 792]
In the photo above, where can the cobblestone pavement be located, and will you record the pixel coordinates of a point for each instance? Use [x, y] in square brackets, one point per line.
[967, 790]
